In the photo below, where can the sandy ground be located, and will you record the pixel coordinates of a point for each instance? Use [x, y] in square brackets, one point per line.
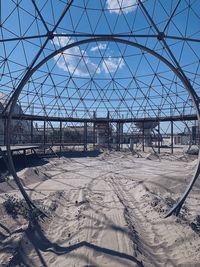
[105, 211]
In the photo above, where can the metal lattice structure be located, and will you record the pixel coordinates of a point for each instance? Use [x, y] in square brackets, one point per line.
[90, 62]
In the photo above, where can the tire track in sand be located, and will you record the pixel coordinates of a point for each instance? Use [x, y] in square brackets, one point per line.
[145, 237]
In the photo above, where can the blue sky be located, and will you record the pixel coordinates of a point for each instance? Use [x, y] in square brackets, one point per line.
[107, 76]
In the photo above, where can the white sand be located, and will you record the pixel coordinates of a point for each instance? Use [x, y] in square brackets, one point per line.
[109, 211]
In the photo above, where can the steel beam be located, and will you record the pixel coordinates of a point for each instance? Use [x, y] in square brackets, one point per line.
[172, 137]
[85, 136]
[159, 137]
[143, 136]
[44, 136]
[83, 35]
[94, 135]
[170, 18]
[31, 131]
[127, 120]
[60, 136]
[177, 71]
[40, 15]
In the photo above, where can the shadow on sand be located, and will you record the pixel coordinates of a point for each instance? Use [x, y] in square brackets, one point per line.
[33, 160]
[80, 154]
[42, 244]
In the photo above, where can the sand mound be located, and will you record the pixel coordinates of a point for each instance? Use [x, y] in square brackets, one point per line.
[108, 211]
[152, 156]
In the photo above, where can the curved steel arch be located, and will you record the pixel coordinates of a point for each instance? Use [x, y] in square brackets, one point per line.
[176, 209]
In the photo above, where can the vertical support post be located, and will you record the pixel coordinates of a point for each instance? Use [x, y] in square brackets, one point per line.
[108, 131]
[118, 128]
[172, 137]
[60, 136]
[108, 135]
[94, 126]
[31, 131]
[85, 136]
[118, 136]
[197, 139]
[143, 137]
[159, 138]
[4, 131]
[44, 135]
[131, 144]
[25, 162]
[122, 132]
[194, 134]
[94, 141]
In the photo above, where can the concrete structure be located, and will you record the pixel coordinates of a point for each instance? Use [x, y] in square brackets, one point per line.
[20, 129]
[103, 133]
[146, 128]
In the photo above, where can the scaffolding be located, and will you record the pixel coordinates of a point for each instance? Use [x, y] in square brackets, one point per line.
[88, 57]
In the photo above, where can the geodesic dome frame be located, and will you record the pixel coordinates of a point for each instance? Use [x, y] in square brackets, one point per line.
[64, 45]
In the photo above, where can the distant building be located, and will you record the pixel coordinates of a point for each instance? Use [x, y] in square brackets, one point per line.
[68, 135]
[20, 129]
[189, 136]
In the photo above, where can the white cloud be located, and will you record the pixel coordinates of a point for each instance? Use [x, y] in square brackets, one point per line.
[127, 5]
[98, 47]
[112, 64]
[74, 60]
[62, 41]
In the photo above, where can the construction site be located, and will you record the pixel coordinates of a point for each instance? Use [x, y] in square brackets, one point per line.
[99, 133]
